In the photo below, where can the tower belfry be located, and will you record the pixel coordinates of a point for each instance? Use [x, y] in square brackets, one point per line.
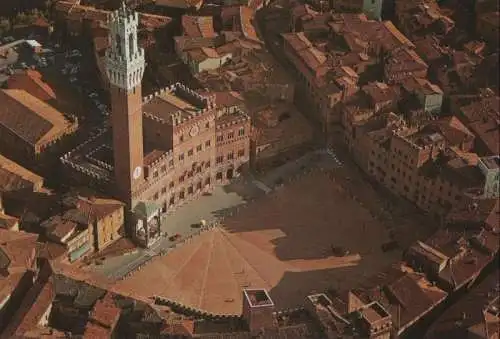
[125, 68]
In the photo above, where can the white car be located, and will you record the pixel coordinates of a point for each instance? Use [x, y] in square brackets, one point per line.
[72, 79]
[93, 95]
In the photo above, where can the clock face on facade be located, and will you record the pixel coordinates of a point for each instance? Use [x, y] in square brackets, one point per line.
[194, 131]
[137, 172]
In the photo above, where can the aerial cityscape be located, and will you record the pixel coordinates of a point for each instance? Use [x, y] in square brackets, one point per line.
[249, 169]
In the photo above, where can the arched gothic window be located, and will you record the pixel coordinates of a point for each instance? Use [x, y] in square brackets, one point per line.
[131, 44]
[118, 44]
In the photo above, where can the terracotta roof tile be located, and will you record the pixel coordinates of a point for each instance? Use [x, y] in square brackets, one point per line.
[30, 118]
[198, 26]
[452, 323]
[240, 18]
[405, 59]
[8, 284]
[94, 331]
[59, 228]
[93, 209]
[14, 177]
[78, 13]
[31, 82]
[452, 129]
[33, 307]
[179, 3]
[19, 248]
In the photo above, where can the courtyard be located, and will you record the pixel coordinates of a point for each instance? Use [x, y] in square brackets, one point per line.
[283, 241]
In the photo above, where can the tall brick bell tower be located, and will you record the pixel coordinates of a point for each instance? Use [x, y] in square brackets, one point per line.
[125, 68]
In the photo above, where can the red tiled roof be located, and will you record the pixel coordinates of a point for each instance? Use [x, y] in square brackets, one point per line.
[405, 59]
[14, 177]
[51, 251]
[91, 210]
[33, 307]
[31, 81]
[228, 98]
[94, 331]
[240, 19]
[198, 26]
[19, 247]
[452, 129]
[31, 119]
[179, 3]
[79, 13]
[452, 324]
[60, 228]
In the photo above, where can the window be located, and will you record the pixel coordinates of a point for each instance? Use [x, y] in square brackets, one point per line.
[230, 156]
[155, 174]
[181, 195]
[220, 138]
[155, 197]
[219, 159]
[198, 148]
[207, 164]
[198, 169]
[241, 132]
[207, 125]
[181, 138]
[241, 153]
[163, 190]
[171, 184]
[171, 163]
[207, 143]
[181, 179]
[230, 135]
[164, 168]
[190, 153]
[190, 190]
[181, 157]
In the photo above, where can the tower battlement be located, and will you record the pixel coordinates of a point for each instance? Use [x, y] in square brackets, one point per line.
[200, 104]
[125, 61]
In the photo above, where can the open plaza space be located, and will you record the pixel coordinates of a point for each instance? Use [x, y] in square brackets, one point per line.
[284, 241]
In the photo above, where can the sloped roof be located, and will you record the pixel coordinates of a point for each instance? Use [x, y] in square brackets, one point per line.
[15, 177]
[30, 118]
[198, 26]
[90, 210]
[18, 247]
[31, 82]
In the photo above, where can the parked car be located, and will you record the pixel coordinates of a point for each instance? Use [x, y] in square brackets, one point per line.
[72, 80]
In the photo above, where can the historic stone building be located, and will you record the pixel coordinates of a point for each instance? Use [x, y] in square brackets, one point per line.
[190, 141]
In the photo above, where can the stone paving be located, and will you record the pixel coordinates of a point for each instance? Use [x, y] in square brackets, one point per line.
[223, 201]
[282, 241]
